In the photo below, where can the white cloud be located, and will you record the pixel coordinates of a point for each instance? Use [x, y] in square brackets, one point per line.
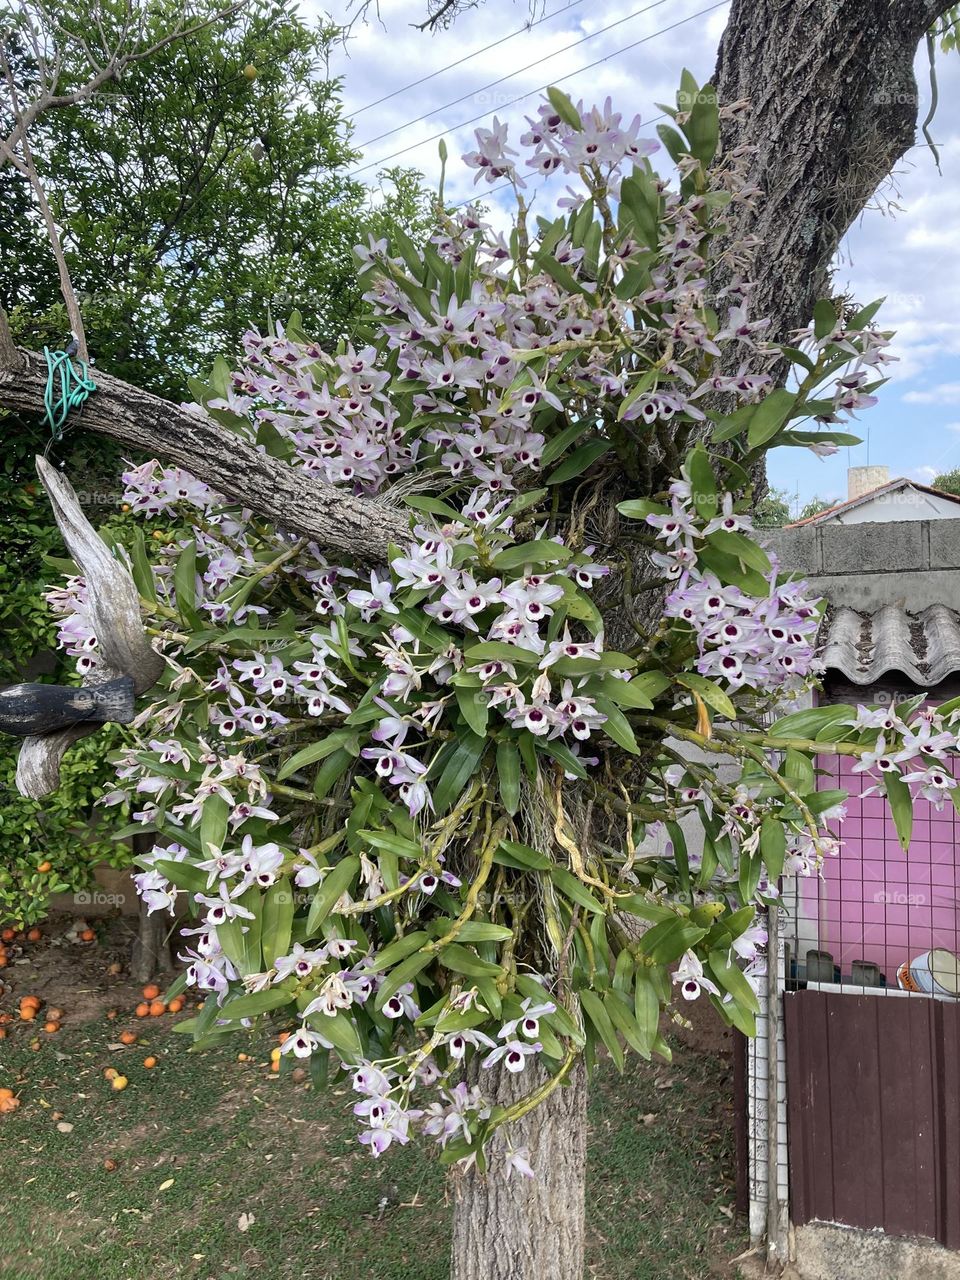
[942, 393]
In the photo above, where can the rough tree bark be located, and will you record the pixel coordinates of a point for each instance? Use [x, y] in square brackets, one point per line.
[833, 108]
[360, 527]
[492, 1217]
[150, 954]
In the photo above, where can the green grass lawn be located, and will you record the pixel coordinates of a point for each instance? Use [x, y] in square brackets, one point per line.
[203, 1139]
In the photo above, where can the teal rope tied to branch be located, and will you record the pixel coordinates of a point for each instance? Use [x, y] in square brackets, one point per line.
[67, 388]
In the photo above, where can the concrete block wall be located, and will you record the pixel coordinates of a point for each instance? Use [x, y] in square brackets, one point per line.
[913, 563]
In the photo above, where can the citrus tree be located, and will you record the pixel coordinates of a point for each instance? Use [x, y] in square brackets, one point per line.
[450, 809]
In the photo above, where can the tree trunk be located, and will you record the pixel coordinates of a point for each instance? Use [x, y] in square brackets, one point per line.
[833, 108]
[513, 1228]
[150, 954]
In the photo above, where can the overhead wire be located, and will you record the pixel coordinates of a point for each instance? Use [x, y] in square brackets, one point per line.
[513, 74]
[467, 57]
[373, 164]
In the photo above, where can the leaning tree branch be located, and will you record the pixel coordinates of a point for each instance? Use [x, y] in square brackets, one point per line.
[361, 528]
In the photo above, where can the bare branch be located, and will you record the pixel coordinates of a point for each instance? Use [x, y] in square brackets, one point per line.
[47, 99]
[361, 528]
[122, 641]
[29, 169]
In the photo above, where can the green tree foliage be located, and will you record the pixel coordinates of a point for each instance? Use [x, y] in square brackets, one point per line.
[814, 507]
[949, 482]
[202, 194]
[773, 511]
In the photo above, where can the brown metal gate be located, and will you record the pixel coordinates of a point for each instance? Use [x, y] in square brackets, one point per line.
[873, 1109]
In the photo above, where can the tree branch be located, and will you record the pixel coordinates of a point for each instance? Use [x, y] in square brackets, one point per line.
[113, 69]
[361, 528]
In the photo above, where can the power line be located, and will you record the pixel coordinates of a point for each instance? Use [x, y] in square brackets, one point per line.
[540, 89]
[512, 76]
[468, 57]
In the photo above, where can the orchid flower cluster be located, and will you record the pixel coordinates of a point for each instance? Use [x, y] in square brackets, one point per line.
[409, 805]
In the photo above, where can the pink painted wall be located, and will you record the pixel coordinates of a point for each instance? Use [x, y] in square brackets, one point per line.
[876, 902]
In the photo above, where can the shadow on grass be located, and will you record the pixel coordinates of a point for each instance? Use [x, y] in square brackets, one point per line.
[201, 1140]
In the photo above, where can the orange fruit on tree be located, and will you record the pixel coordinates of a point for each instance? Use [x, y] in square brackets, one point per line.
[127, 1037]
[151, 991]
[142, 1009]
[44, 867]
[157, 1007]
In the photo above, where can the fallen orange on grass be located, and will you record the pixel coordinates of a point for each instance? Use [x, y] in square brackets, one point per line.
[127, 1037]
[8, 935]
[88, 935]
[34, 935]
[157, 1007]
[51, 1028]
[150, 1062]
[111, 1073]
[142, 1009]
[151, 991]
[175, 1005]
[119, 1082]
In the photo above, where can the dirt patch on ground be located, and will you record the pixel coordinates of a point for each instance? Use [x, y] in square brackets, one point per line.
[72, 975]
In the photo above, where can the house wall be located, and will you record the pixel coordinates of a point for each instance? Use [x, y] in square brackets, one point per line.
[901, 504]
[910, 563]
[876, 902]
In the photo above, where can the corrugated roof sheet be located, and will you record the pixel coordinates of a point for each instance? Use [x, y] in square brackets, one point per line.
[925, 646]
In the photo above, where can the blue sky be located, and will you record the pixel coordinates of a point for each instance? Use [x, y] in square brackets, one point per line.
[905, 246]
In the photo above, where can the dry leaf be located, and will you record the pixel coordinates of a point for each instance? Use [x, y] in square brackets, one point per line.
[245, 1221]
[64, 1126]
[165, 1186]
